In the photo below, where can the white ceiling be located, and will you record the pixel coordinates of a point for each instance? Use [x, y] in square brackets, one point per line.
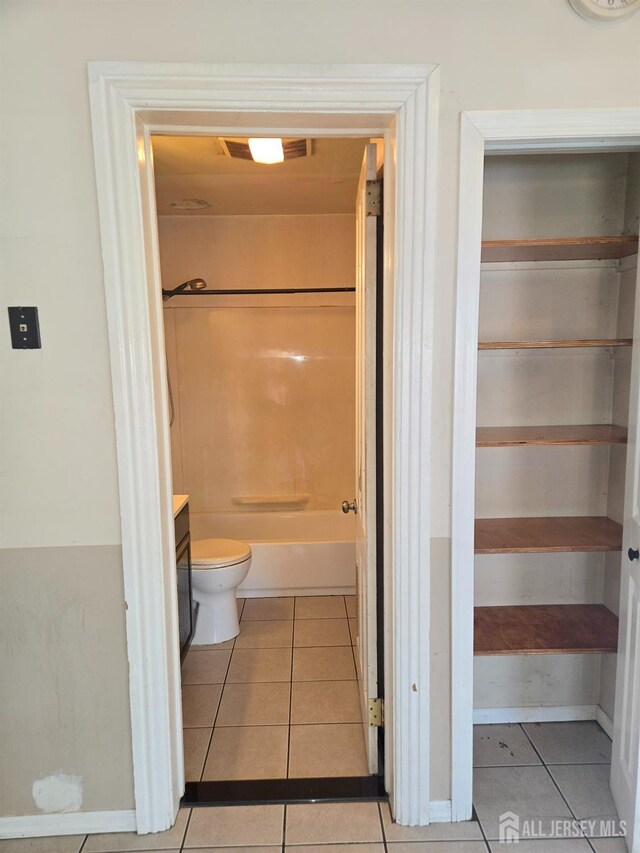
[196, 167]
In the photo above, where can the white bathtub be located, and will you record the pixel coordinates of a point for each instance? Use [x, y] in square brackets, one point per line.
[294, 553]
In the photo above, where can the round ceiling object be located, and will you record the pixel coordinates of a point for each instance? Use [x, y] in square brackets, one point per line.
[605, 10]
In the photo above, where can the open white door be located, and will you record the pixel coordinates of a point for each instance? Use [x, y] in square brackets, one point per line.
[367, 211]
[625, 759]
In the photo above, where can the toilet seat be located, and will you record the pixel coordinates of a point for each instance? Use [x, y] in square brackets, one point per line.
[218, 553]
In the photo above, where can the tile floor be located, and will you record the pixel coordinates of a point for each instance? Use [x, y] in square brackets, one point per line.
[539, 771]
[281, 700]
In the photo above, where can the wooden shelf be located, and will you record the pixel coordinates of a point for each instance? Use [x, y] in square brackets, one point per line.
[560, 249]
[546, 535]
[562, 344]
[535, 436]
[548, 629]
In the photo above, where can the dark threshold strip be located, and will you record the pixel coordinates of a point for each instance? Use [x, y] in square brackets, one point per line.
[330, 789]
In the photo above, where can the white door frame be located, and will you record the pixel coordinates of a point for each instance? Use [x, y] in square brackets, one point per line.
[129, 101]
[502, 131]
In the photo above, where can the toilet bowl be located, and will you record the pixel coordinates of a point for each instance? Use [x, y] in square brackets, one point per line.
[218, 567]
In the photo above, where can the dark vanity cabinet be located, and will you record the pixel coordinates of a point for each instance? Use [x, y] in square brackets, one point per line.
[186, 615]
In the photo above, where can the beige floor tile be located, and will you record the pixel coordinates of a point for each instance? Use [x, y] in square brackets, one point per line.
[544, 845]
[320, 607]
[527, 791]
[259, 665]
[339, 823]
[240, 604]
[338, 848]
[199, 704]
[500, 744]
[325, 702]
[254, 704]
[196, 742]
[206, 667]
[321, 632]
[351, 604]
[323, 664]
[117, 842]
[220, 647]
[336, 749]
[236, 826]
[609, 845]
[576, 742]
[267, 608]
[468, 830]
[440, 847]
[247, 752]
[586, 789]
[271, 634]
[46, 844]
[252, 849]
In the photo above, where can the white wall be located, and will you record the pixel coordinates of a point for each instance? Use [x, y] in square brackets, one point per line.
[59, 474]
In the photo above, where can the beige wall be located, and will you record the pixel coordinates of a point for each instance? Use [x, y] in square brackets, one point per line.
[59, 473]
[248, 252]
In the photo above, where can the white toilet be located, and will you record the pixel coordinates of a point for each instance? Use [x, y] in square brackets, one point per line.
[218, 567]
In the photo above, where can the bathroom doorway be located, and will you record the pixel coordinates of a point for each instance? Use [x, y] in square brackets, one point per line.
[129, 103]
[271, 278]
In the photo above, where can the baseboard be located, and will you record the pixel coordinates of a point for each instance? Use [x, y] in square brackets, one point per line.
[541, 714]
[68, 823]
[440, 811]
[297, 591]
[605, 721]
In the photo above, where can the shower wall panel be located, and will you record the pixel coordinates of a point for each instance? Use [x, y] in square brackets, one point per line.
[265, 402]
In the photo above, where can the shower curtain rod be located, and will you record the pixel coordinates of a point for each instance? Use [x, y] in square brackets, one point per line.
[259, 291]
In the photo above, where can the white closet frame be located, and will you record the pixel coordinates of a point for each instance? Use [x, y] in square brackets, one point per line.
[507, 132]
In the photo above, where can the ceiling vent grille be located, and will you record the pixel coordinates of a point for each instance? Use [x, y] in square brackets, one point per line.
[238, 149]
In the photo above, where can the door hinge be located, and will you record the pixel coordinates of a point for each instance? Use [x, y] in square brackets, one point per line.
[374, 198]
[376, 712]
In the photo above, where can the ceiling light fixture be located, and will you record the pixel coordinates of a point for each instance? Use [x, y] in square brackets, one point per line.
[267, 150]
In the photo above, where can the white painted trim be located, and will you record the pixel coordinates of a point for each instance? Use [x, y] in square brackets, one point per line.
[69, 823]
[129, 100]
[464, 466]
[510, 266]
[537, 714]
[541, 714]
[440, 811]
[605, 721]
[628, 263]
[499, 131]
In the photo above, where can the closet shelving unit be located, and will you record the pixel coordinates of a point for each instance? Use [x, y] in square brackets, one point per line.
[557, 628]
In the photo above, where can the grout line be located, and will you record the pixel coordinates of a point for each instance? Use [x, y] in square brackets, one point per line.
[82, 846]
[290, 697]
[481, 828]
[384, 835]
[213, 727]
[186, 829]
[549, 774]
[284, 826]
